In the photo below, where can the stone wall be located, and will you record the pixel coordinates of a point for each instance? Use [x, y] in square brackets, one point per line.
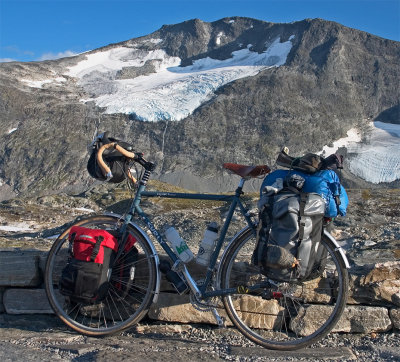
[373, 305]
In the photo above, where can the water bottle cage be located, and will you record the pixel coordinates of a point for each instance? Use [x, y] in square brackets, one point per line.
[178, 266]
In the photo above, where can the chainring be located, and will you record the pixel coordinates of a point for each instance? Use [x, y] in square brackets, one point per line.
[206, 305]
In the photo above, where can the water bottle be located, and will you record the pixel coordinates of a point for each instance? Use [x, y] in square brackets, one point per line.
[207, 245]
[179, 245]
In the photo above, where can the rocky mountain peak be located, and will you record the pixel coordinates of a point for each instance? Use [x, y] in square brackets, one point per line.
[195, 95]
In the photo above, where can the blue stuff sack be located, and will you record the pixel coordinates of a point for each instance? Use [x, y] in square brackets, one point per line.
[325, 183]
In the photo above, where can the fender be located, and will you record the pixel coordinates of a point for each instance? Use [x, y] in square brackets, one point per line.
[338, 248]
[153, 250]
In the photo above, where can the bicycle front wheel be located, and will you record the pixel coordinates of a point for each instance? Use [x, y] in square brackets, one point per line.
[131, 286]
[282, 315]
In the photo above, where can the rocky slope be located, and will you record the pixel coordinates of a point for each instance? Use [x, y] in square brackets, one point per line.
[370, 232]
[333, 79]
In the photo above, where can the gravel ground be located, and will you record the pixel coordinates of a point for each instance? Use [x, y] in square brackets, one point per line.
[45, 338]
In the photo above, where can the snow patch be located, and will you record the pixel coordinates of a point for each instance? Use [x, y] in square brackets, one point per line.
[17, 227]
[84, 209]
[155, 41]
[353, 136]
[173, 92]
[218, 39]
[115, 59]
[12, 130]
[41, 83]
[53, 237]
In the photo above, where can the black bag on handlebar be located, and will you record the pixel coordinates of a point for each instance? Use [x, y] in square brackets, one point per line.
[310, 162]
[117, 162]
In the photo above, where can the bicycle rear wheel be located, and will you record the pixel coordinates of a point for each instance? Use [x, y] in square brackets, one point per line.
[131, 286]
[282, 315]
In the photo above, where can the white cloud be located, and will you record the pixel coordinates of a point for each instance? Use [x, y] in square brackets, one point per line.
[51, 56]
[5, 60]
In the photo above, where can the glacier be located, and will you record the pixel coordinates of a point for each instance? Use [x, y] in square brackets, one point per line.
[375, 159]
[171, 92]
[378, 159]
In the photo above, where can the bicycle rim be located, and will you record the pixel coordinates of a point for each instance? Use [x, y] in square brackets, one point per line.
[131, 285]
[282, 315]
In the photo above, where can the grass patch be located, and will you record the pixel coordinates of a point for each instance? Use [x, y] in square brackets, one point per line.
[121, 194]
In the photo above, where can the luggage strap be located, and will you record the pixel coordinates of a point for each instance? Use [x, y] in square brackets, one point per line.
[96, 248]
[302, 223]
[71, 241]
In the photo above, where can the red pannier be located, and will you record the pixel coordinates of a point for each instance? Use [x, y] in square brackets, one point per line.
[86, 277]
[90, 244]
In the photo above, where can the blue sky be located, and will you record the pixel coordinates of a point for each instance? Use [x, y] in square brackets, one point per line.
[33, 30]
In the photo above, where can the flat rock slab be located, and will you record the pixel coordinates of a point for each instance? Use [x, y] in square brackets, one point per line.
[78, 349]
[26, 301]
[328, 353]
[20, 268]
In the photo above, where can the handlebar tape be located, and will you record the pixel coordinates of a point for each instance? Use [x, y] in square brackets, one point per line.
[104, 167]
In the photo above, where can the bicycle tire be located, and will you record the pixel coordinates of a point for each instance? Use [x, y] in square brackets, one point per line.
[278, 315]
[124, 306]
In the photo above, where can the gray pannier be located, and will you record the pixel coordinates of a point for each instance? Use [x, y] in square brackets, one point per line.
[289, 232]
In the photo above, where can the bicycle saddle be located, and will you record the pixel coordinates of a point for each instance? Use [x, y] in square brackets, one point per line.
[247, 171]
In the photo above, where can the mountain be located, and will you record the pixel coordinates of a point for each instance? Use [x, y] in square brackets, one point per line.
[194, 95]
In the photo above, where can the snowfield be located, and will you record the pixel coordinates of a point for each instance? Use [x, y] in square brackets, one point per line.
[171, 92]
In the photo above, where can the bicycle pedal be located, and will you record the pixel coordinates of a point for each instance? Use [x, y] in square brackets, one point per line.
[218, 318]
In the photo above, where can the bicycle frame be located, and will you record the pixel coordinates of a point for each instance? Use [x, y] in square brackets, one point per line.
[235, 202]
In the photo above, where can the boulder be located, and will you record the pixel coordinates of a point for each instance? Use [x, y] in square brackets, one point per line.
[355, 319]
[172, 307]
[175, 308]
[395, 317]
[259, 313]
[377, 284]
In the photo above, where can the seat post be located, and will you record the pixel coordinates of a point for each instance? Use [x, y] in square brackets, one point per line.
[240, 187]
